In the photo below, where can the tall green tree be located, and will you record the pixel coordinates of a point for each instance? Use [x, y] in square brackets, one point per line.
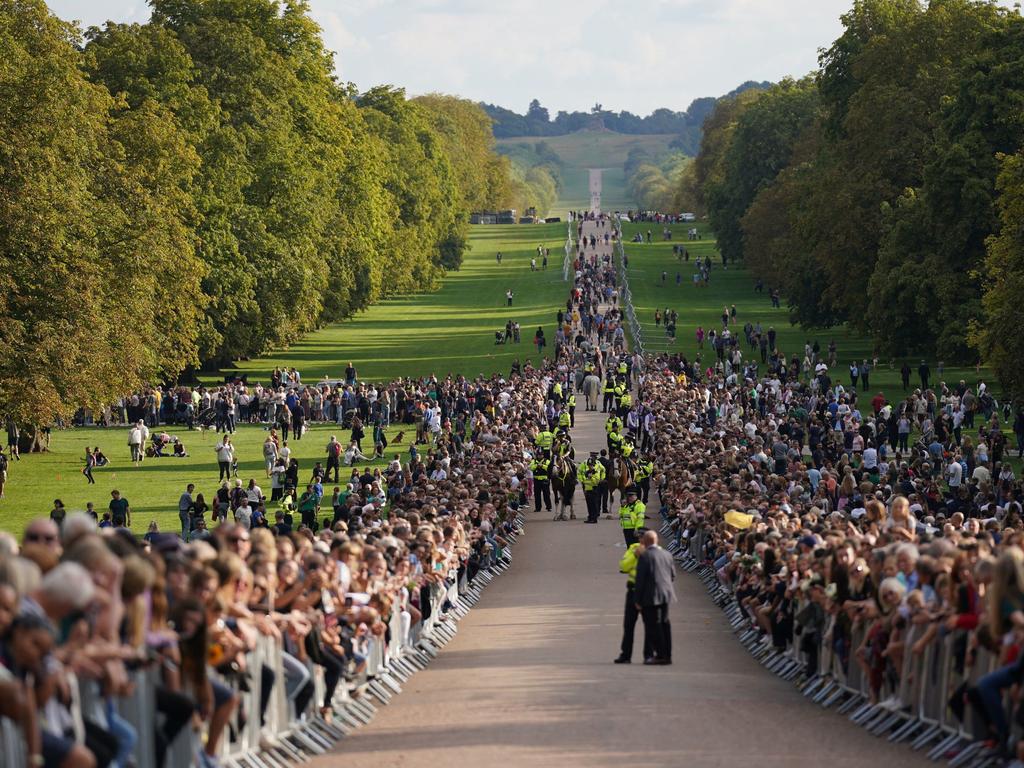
[101, 280]
[997, 334]
[758, 148]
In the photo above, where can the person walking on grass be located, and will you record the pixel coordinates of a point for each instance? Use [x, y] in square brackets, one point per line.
[508, 297]
[225, 457]
[90, 463]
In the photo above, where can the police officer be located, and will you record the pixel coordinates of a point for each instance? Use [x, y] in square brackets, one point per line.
[617, 392]
[623, 370]
[625, 403]
[591, 475]
[615, 443]
[543, 441]
[564, 420]
[603, 493]
[609, 394]
[541, 468]
[627, 565]
[572, 409]
[631, 516]
[612, 424]
[644, 470]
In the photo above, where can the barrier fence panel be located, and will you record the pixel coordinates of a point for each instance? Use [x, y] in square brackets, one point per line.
[912, 703]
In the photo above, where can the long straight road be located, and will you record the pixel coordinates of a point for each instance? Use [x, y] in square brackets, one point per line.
[529, 679]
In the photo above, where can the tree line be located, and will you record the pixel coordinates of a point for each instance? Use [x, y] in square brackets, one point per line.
[886, 189]
[201, 188]
[537, 120]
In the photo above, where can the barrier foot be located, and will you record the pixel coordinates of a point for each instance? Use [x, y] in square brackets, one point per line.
[926, 738]
[944, 746]
[854, 701]
[967, 753]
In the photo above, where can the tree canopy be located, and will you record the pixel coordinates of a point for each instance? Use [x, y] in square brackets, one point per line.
[202, 187]
[867, 192]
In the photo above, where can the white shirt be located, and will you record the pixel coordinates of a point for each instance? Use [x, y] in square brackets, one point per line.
[870, 458]
[225, 452]
[243, 516]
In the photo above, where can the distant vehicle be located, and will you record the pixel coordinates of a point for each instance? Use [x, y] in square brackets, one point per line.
[624, 217]
[688, 216]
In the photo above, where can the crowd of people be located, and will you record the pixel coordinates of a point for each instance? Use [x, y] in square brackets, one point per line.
[84, 603]
[841, 525]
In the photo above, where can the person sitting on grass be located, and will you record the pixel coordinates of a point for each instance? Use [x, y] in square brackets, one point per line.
[353, 454]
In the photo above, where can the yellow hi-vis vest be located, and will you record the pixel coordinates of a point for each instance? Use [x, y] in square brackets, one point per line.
[544, 440]
[628, 563]
[631, 516]
[590, 476]
[540, 468]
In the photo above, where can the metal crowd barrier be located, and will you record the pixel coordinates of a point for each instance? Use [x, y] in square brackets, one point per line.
[296, 736]
[911, 707]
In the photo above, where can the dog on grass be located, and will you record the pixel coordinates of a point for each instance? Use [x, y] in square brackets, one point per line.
[399, 438]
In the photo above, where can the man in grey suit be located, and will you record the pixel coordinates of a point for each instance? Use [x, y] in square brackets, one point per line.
[655, 572]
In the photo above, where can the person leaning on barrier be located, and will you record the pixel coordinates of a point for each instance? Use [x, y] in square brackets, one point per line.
[627, 565]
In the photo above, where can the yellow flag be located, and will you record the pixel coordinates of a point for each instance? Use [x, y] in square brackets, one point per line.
[738, 519]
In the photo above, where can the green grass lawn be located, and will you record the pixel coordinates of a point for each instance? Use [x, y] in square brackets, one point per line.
[152, 489]
[583, 150]
[735, 285]
[450, 331]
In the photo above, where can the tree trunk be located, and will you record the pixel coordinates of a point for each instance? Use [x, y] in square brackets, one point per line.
[34, 439]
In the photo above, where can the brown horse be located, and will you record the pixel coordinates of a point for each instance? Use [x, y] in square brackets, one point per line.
[563, 485]
[621, 477]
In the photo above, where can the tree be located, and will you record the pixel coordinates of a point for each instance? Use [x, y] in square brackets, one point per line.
[94, 216]
[758, 145]
[997, 336]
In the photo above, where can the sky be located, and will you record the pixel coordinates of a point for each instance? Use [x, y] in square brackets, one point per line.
[635, 55]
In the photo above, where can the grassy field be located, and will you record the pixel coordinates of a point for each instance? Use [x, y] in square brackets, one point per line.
[451, 330]
[583, 150]
[703, 307]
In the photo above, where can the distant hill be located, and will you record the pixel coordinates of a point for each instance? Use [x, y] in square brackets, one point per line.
[684, 127]
[575, 153]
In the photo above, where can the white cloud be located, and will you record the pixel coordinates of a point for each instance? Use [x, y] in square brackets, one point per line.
[628, 54]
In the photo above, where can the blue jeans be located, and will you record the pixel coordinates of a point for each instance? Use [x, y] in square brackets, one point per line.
[990, 689]
[123, 731]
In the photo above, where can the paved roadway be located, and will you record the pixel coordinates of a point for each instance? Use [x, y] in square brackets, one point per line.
[528, 680]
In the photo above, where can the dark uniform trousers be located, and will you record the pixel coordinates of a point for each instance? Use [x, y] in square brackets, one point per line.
[541, 487]
[593, 503]
[629, 619]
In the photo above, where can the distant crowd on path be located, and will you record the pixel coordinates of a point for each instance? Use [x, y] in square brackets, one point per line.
[837, 534]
